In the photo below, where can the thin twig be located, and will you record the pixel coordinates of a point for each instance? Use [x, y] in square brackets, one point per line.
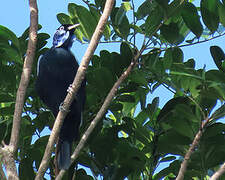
[218, 173]
[75, 86]
[189, 44]
[205, 40]
[187, 156]
[115, 41]
[133, 9]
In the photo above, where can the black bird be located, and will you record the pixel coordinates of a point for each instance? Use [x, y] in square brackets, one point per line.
[56, 69]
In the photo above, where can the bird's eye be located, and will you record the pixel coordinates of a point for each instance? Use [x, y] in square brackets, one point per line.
[61, 28]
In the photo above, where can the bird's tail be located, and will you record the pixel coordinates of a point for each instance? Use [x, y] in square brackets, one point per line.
[64, 153]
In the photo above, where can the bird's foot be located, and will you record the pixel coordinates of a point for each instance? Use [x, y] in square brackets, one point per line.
[70, 90]
[61, 108]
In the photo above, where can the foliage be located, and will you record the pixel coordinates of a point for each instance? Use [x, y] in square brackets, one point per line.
[135, 136]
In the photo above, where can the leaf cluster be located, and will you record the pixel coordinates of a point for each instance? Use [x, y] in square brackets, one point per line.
[136, 134]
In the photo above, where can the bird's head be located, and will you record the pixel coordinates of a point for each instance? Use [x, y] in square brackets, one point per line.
[63, 36]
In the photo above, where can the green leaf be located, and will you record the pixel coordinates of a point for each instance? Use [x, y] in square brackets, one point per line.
[191, 18]
[7, 35]
[139, 77]
[168, 58]
[116, 107]
[95, 61]
[126, 53]
[209, 11]
[82, 175]
[136, 28]
[126, 5]
[123, 28]
[42, 40]
[141, 95]
[142, 116]
[126, 98]
[95, 78]
[218, 57]
[168, 158]
[171, 33]
[163, 3]
[185, 74]
[7, 110]
[38, 149]
[6, 97]
[131, 87]
[26, 170]
[190, 63]
[64, 18]
[9, 53]
[154, 106]
[182, 120]
[96, 14]
[169, 106]
[222, 13]
[153, 21]
[213, 130]
[9, 73]
[178, 55]
[120, 15]
[172, 142]
[81, 15]
[145, 9]
[42, 120]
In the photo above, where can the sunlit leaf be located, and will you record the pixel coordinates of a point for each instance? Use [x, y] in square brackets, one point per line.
[64, 18]
[81, 15]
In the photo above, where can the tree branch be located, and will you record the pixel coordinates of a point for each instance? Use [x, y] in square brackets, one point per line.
[218, 173]
[100, 114]
[75, 86]
[187, 156]
[9, 162]
[103, 109]
[25, 77]
[8, 151]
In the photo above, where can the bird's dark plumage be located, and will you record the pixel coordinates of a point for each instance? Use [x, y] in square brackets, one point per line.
[55, 72]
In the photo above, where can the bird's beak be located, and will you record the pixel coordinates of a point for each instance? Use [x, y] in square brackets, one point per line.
[73, 26]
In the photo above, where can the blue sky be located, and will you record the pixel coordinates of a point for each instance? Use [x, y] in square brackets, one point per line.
[15, 16]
